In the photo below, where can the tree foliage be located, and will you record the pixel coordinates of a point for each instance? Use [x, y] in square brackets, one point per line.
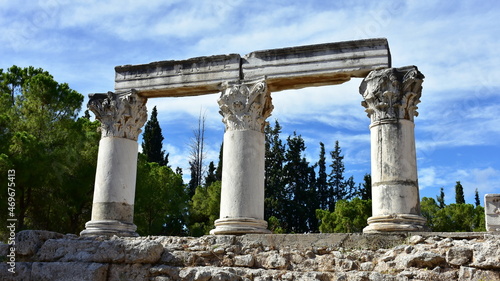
[365, 189]
[454, 217]
[274, 204]
[300, 196]
[440, 199]
[152, 145]
[204, 209]
[348, 216]
[39, 130]
[477, 201]
[293, 189]
[161, 200]
[459, 193]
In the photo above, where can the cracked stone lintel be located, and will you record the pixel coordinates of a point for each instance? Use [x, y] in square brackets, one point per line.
[285, 68]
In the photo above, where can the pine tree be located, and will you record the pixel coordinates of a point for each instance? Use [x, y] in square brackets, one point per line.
[476, 199]
[459, 193]
[152, 141]
[440, 199]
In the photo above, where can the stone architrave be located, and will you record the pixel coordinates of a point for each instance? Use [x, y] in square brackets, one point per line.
[244, 107]
[492, 212]
[390, 97]
[121, 115]
[285, 68]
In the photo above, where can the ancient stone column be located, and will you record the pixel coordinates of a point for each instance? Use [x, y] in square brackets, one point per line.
[244, 107]
[390, 97]
[122, 115]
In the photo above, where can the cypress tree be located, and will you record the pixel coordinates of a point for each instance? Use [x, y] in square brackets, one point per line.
[152, 141]
[336, 179]
[365, 190]
[440, 199]
[211, 176]
[477, 201]
[322, 182]
[459, 193]
[218, 171]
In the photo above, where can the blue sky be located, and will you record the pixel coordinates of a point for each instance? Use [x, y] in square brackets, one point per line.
[454, 44]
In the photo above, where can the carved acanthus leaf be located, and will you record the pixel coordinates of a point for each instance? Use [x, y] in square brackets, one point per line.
[392, 93]
[245, 106]
[121, 114]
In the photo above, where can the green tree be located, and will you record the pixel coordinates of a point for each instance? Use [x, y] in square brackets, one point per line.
[459, 218]
[322, 180]
[340, 189]
[274, 202]
[152, 141]
[459, 193]
[477, 201]
[365, 190]
[161, 200]
[204, 209]
[453, 217]
[440, 199]
[211, 176]
[349, 216]
[39, 131]
[218, 170]
[274, 224]
[336, 177]
[429, 209]
[300, 196]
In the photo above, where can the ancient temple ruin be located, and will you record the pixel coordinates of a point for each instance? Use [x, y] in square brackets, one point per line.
[245, 83]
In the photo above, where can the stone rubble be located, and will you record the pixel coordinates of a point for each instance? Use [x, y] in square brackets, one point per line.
[43, 255]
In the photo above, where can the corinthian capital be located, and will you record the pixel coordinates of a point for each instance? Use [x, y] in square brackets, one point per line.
[122, 114]
[392, 93]
[245, 106]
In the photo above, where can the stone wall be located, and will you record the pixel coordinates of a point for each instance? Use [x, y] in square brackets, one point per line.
[42, 255]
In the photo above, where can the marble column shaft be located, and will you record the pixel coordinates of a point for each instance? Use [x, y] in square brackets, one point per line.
[244, 107]
[390, 97]
[122, 116]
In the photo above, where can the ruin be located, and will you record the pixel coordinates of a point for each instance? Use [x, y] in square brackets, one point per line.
[246, 83]
[492, 212]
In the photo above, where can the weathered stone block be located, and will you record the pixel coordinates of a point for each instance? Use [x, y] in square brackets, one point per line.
[122, 250]
[422, 260]
[316, 65]
[29, 241]
[125, 272]
[21, 272]
[458, 256]
[244, 260]
[196, 76]
[492, 211]
[67, 271]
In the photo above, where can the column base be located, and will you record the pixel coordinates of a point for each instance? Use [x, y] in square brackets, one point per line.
[239, 226]
[109, 228]
[396, 223]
